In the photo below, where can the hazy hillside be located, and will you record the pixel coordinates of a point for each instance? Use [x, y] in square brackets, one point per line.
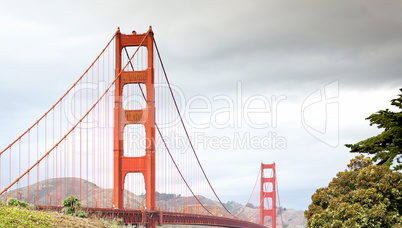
[99, 197]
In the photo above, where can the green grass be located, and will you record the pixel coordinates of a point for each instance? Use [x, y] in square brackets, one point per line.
[15, 216]
[12, 216]
[18, 216]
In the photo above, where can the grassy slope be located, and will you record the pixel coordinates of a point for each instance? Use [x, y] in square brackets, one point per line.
[11, 216]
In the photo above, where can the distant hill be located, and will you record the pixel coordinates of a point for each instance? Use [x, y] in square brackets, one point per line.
[100, 197]
[293, 218]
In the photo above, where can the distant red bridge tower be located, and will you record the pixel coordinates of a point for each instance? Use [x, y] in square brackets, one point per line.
[268, 194]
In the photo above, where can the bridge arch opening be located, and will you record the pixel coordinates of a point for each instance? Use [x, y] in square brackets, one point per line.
[268, 187]
[134, 140]
[268, 203]
[134, 191]
[133, 96]
[139, 61]
[268, 173]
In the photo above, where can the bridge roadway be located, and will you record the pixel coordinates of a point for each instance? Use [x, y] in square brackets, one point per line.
[159, 217]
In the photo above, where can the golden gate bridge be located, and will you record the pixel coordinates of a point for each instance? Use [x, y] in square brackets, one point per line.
[106, 141]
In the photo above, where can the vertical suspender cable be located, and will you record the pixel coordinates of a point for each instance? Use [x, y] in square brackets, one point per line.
[53, 165]
[37, 169]
[29, 160]
[81, 144]
[188, 137]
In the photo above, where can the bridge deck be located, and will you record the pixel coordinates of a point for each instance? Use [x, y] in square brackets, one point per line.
[160, 217]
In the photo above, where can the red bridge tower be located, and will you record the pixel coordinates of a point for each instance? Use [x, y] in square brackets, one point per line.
[268, 192]
[144, 164]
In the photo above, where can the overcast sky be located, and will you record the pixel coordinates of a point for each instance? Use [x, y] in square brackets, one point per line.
[327, 64]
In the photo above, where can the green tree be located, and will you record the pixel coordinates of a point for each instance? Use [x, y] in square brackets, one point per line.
[386, 146]
[364, 195]
[71, 205]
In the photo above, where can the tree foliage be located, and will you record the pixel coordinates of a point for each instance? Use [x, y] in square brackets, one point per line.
[386, 146]
[71, 205]
[365, 195]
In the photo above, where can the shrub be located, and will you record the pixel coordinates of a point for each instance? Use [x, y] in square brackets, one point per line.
[81, 214]
[66, 210]
[23, 204]
[12, 202]
[18, 203]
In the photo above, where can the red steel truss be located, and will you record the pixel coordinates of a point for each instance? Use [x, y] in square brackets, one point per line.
[160, 217]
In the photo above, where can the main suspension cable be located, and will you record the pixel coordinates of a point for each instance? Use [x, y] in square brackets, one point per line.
[279, 199]
[72, 129]
[185, 130]
[65, 94]
[255, 184]
[167, 148]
